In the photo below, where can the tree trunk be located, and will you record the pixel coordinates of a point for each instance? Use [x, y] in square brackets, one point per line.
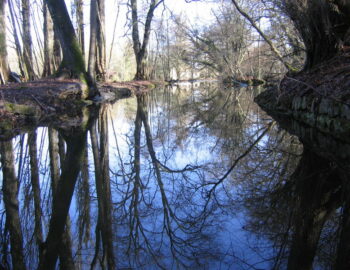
[4, 69]
[93, 33]
[18, 46]
[101, 42]
[80, 24]
[27, 40]
[57, 52]
[49, 62]
[323, 25]
[140, 50]
[73, 64]
[10, 192]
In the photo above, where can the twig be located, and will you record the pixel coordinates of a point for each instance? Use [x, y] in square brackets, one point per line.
[316, 90]
[42, 106]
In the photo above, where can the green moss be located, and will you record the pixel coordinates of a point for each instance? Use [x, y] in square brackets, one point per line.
[19, 109]
[82, 102]
[6, 124]
[151, 86]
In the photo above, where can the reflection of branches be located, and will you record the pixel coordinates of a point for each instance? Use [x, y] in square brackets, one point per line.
[10, 192]
[180, 232]
[104, 222]
[245, 153]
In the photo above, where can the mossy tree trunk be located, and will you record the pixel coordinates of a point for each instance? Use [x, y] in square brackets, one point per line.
[73, 64]
[4, 69]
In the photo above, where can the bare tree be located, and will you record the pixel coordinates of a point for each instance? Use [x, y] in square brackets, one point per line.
[140, 49]
[262, 34]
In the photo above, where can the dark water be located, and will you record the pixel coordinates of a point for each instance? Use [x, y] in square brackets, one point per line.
[186, 177]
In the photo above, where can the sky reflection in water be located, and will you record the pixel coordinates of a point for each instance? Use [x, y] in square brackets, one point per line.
[186, 178]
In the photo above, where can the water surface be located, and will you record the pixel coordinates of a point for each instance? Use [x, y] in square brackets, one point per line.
[182, 177]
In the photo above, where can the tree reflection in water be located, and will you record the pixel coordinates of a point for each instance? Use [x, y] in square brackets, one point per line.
[173, 179]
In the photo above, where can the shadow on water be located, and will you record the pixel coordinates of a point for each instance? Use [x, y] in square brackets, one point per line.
[195, 177]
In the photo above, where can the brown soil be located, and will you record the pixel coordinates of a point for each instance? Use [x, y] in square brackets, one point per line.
[46, 93]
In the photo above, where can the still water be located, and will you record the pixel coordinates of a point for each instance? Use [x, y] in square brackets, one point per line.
[192, 177]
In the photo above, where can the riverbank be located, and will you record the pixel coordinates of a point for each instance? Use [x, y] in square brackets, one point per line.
[319, 98]
[42, 101]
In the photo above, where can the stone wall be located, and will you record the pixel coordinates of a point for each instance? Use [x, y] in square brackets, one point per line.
[326, 114]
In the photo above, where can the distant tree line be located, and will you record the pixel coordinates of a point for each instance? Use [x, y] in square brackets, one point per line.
[245, 39]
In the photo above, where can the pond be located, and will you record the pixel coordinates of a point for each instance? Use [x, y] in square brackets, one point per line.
[190, 176]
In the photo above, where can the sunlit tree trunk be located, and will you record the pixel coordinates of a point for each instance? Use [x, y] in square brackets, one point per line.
[14, 20]
[49, 62]
[101, 42]
[10, 193]
[93, 34]
[4, 69]
[27, 40]
[80, 23]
